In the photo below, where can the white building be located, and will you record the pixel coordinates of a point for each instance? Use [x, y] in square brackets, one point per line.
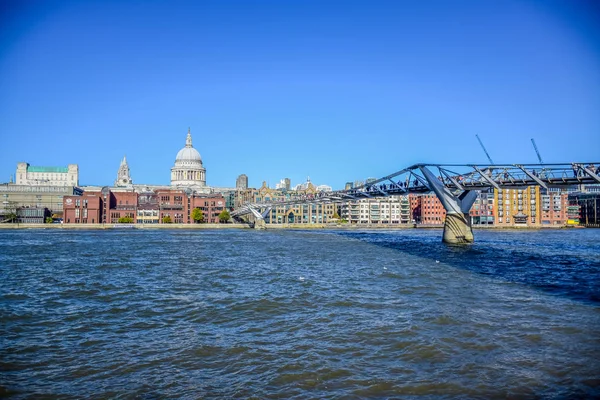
[188, 170]
[47, 176]
[380, 210]
[308, 183]
[123, 175]
[284, 184]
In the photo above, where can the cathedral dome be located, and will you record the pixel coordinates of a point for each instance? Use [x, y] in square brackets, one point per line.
[188, 169]
[188, 154]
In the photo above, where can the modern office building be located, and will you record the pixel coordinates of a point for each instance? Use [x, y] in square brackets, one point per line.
[15, 196]
[589, 208]
[241, 182]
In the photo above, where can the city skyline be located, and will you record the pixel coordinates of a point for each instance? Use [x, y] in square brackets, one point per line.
[338, 92]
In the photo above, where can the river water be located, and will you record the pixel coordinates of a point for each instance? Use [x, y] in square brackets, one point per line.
[299, 314]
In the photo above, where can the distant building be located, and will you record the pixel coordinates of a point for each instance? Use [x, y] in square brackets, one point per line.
[47, 176]
[554, 207]
[34, 197]
[483, 210]
[298, 214]
[430, 210]
[589, 208]
[32, 215]
[284, 184]
[380, 210]
[150, 207]
[188, 170]
[518, 207]
[303, 186]
[308, 184]
[123, 175]
[241, 182]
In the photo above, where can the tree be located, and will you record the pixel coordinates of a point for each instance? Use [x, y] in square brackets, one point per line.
[224, 216]
[197, 215]
[335, 215]
[49, 220]
[10, 212]
[167, 219]
[125, 220]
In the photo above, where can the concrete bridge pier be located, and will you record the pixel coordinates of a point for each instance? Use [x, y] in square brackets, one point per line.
[259, 218]
[260, 224]
[457, 227]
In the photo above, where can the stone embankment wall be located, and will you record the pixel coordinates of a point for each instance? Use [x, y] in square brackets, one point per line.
[124, 226]
[246, 226]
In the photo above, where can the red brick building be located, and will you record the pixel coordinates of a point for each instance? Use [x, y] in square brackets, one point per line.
[427, 209]
[211, 207]
[554, 210]
[84, 209]
[120, 205]
[108, 207]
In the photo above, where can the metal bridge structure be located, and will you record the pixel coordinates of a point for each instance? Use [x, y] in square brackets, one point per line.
[455, 185]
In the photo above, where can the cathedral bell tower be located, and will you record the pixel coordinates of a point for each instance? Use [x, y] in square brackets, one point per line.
[123, 177]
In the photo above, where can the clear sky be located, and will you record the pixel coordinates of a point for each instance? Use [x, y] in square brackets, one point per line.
[338, 90]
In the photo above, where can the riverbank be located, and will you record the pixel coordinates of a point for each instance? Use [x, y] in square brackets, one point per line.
[268, 226]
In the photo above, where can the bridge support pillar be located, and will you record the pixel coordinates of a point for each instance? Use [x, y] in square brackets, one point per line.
[259, 218]
[260, 224]
[457, 227]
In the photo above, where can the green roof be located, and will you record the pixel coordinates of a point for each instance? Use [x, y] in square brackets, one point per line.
[47, 169]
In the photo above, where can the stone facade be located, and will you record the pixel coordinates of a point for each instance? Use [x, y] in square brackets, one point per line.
[188, 170]
[47, 176]
[123, 175]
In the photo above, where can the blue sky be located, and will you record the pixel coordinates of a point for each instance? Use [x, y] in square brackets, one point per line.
[338, 90]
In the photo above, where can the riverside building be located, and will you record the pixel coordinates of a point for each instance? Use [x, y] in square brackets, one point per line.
[518, 207]
[161, 206]
[382, 210]
[292, 214]
[30, 197]
[151, 204]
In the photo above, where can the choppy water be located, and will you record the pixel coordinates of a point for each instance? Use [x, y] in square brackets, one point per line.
[299, 314]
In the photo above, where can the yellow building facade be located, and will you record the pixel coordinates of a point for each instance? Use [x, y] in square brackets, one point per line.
[517, 207]
[293, 214]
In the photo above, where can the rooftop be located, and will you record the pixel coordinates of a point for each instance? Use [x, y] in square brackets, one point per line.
[31, 168]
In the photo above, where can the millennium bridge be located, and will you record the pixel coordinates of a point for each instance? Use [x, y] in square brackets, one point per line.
[455, 185]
